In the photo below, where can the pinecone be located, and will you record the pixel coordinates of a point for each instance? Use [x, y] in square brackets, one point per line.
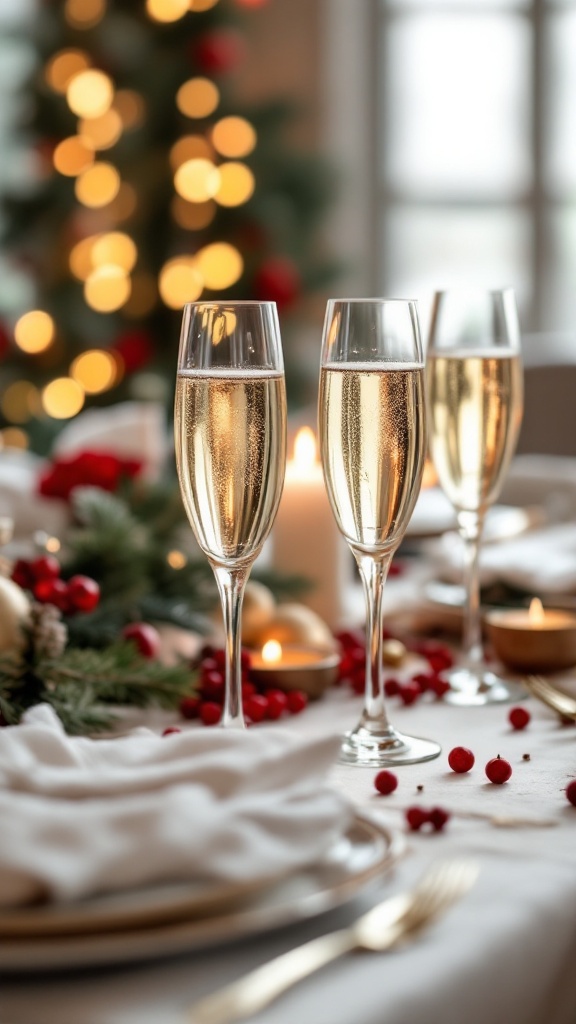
[48, 634]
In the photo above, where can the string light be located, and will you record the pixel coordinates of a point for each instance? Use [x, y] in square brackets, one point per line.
[20, 401]
[143, 297]
[179, 282]
[234, 137]
[34, 331]
[201, 5]
[192, 216]
[107, 289]
[198, 97]
[114, 248]
[73, 155]
[84, 14]
[236, 184]
[197, 180]
[190, 147]
[80, 258]
[13, 437]
[130, 107]
[176, 559]
[90, 93]
[104, 131]
[63, 66]
[94, 370]
[220, 264]
[98, 185]
[62, 398]
[166, 10]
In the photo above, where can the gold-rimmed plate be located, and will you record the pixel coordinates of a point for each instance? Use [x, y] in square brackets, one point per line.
[160, 922]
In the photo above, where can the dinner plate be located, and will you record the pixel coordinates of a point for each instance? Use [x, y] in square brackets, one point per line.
[158, 922]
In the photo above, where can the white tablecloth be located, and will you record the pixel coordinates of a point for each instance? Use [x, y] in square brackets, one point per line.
[504, 955]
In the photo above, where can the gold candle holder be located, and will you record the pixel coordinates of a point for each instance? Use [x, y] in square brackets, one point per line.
[536, 639]
[292, 667]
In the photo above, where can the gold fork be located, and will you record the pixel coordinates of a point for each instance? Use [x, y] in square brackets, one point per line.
[550, 695]
[384, 927]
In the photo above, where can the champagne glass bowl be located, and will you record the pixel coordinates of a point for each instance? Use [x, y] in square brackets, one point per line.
[230, 437]
[475, 390]
[372, 440]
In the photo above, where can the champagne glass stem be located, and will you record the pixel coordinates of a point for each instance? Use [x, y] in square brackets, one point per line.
[231, 584]
[470, 528]
[373, 573]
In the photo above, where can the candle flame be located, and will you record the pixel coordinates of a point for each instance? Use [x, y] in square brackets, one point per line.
[305, 449]
[271, 652]
[536, 612]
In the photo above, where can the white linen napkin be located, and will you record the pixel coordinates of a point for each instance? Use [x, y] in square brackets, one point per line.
[542, 562]
[82, 816]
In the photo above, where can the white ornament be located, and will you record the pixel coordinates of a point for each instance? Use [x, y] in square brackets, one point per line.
[14, 614]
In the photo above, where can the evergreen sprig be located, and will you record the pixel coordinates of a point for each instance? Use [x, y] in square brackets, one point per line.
[83, 685]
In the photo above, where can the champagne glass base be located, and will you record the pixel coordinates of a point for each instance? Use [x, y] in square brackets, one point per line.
[475, 687]
[370, 748]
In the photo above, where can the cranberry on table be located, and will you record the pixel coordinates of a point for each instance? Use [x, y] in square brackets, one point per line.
[519, 718]
[190, 707]
[461, 760]
[498, 770]
[416, 817]
[170, 729]
[386, 782]
[145, 636]
[210, 712]
[297, 701]
[438, 817]
[571, 792]
[256, 707]
[277, 704]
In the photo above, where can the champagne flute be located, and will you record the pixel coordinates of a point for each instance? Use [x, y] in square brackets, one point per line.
[230, 434]
[372, 440]
[475, 383]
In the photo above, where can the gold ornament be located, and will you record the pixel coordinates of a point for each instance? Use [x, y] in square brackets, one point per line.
[295, 624]
[258, 608]
[14, 615]
[393, 652]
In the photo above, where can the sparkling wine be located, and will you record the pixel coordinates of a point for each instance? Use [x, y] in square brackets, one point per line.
[230, 430]
[475, 412]
[372, 433]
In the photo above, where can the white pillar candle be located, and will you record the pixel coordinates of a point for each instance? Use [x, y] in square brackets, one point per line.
[305, 539]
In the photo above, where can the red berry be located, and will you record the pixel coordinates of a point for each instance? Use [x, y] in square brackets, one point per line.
[438, 817]
[571, 792]
[210, 713]
[519, 718]
[45, 568]
[391, 687]
[498, 770]
[416, 817]
[22, 574]
[52, 592]
[83, 593]
[461, 759]
[439, 686]
[190, 707]
[145, 636]
[297, 701]
[277, 703]
[248, 690]
[170, 729]
[257, 707]
[386, 782]
[209, 664]
[245, 661]
[409, 693]
[212, 686]
[423, 681]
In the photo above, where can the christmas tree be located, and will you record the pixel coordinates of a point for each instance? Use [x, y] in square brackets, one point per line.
[153, 188]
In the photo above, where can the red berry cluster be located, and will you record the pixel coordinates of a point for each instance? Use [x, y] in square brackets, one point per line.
[258, 704]
[42, 577]
[418, 817]
[353, 668]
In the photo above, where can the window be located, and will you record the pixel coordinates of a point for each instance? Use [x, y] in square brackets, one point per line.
[472, 150]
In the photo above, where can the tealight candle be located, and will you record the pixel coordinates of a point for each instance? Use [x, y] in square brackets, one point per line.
[294, 668]
[536, 639]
